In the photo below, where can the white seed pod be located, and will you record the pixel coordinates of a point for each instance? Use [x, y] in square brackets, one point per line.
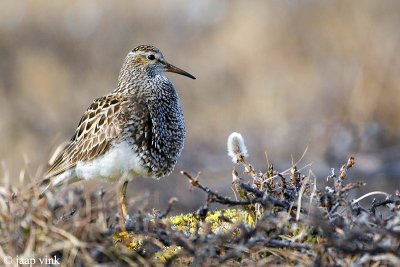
[236, 147]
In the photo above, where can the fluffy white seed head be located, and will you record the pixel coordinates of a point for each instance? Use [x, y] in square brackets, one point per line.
[236, 147]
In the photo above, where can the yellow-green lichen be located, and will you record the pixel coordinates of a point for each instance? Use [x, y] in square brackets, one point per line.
[131, 241]
[184, 222]
[167, 253]
[217, 220]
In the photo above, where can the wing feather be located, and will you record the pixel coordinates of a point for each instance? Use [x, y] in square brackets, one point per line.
[97, 128]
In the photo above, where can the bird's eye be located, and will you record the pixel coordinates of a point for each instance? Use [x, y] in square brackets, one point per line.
[151, 57]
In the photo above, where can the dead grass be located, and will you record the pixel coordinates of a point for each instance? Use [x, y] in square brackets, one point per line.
[278, 218]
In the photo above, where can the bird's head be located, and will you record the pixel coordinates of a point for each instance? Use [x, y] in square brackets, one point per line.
[149, 59]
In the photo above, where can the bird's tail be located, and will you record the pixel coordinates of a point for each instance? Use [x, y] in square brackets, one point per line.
[42, 184]
[47, 183]
[43, 187]
[37, 188]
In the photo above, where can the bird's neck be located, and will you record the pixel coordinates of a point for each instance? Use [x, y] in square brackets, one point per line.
[145, 85]
[154, 89]
[129, 79]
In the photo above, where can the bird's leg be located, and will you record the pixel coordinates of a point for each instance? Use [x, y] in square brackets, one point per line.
[122, 199]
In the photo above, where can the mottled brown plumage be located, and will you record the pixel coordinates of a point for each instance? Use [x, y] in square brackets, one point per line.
[100, 124]
[137, 130]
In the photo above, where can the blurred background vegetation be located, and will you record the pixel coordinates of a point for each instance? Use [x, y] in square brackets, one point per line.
[286, 74]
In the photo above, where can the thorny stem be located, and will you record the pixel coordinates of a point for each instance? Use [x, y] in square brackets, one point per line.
[213, 196]
[261, 197]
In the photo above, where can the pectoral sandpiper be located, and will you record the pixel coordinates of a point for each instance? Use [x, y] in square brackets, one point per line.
[137, 130]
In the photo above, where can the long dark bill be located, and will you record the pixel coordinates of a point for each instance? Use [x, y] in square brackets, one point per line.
[172, 68]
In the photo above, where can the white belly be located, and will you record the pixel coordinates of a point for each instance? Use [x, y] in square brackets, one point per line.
[119, 161]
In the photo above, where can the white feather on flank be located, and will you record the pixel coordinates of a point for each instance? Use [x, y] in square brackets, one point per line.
[236, 147]
[118, 161]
